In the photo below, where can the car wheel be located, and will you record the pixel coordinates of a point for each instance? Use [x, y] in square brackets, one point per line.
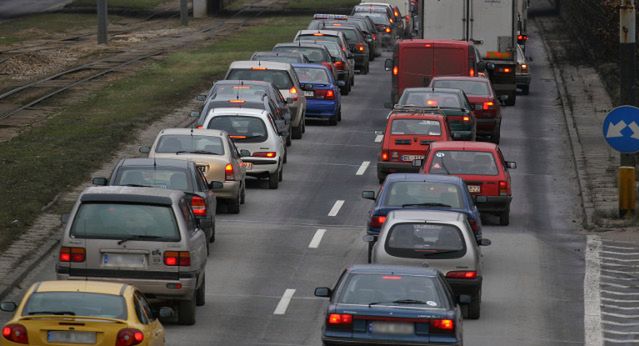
[297, 132]
[332, 120]
[212, 239]
[186, 311]
[344, 91]
[233, 207]
[370, 252]
[496, 137]
[525, 89]
[281, 175]
[285, 160]
[288, 139]
[304, 124]
[512, 98]
[339, 115]
[504, 217]
[274, 180]
[200, 293]
[208, 248]
[474, 306]
[243, 195]
[381, 177]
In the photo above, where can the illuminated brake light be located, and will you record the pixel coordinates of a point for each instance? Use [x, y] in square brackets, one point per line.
[360, 47]
[318, 34]
[374, 36]
[198, 206]
[199, 127]
[396, 13]
[395, 70]
[487, 105]
[377, 221]
[72, 254]
[269, 154]
[428, 45]
[237, 101]
[462, 275]
[471, 72]
[229, 173]
[503, 188]
[259, 68]
[340, 319]
[384, 155]
[330, 95]
[391, 277]
[16, 333]
[444, 325]
[129, 337]
[175, 258]
[466, 118]
[432, 103]
[387, 30]
[391, 21]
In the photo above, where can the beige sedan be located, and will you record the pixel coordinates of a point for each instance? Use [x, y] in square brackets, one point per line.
[215, 155]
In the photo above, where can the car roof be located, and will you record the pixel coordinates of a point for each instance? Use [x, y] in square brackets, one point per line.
[391, 269]
[321, 31]
[222, 103]
[199, 132]
[406, 114]
[244, 82]
[467, 78]
[159, 162]
[238, 111]
[463, 145]
[271, 53]
[300, 44]
[422, 215]
[103, 287]
[421, 42]
[431, 89]
[272, 65]
[126, 194]
[435, 178]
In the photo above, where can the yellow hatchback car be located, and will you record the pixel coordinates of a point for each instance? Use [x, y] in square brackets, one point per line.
[82, 313]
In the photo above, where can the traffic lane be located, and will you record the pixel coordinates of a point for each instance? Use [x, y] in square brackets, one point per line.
[533, 271]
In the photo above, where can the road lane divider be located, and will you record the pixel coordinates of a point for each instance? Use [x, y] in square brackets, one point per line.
[282, 306]
[592, 294]
[363, 168]
[317, 238]
[379, 138]
[336, 207]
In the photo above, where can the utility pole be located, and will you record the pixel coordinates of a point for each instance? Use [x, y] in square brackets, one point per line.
[184, 12]
[102, 21]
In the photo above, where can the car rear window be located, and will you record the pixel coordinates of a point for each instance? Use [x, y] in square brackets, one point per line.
[405, 193]
[186, 144]
[391, 289]
[278, 58]
[425, 240]
[377, 18]
[172, 179]
[279, 78]
[431, 99]
[333, 47]
[125, 220]
[242, 92]
[329, 38]
[469, 87]
[463, 162]
[312, 75]
[241, 128]
[314, 55]
[351, 34]
[370, 9]
[416, 127]
[76, 303]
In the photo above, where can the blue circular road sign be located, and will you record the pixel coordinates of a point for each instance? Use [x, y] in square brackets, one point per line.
[621, 129]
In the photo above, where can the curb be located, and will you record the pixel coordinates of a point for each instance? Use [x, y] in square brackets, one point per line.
[575, 144]
[26, 267]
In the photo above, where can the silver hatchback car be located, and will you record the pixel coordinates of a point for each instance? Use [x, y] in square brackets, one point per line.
[146, 237]
[443, 240]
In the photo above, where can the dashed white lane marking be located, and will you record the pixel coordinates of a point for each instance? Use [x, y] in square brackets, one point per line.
[379, 138]
[281, 307]
[336, 207]
[363, 168]
[317, 238]
[592, 296]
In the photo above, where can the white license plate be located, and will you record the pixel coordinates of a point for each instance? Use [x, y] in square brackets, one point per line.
[474, 188]
[71, 337]
[392, 328]
[309, 93]
[412, 157]
[123, 260]
[247, 165]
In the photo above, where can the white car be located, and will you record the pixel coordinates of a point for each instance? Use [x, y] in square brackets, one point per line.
[255, 134]
[284, 78]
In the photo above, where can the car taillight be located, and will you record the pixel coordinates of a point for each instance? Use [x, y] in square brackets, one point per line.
[268, 154]
[198, 205]
[72, 254]
[523, 68]
[325, 94]
[488, 105]
[377, 221]
[199, 127]
[387, 30]
[385, 156]
[395, 70]
[504, 69]
[339, 65]
[443, 325]
[128, 337]
[16, 333]
[462, 274]
[340, 319]
[466, 118]
[374, 36]
[177, 258]
[503, 188]
[360, 47]
[229, 173]
[471, 72]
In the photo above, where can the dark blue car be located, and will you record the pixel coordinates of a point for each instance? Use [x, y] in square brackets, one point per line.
[424, 191]
[323, 98]
[391, 305]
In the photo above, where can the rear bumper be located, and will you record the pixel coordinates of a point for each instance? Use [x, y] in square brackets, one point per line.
[320, 108]
[522, 79]
[384, 168]
[365, 342]
[467, 287]
[361, 59]
[493, 204]
[230, 190]
[261, 167]
[486, 126]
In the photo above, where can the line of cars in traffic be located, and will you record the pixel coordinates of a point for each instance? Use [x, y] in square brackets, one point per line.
[135, 245]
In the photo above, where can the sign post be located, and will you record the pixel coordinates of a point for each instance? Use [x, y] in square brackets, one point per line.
[102, 21]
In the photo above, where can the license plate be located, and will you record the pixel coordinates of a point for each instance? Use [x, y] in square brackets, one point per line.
[123, 260]
[392, 328]
[309, 93]
[247, 165]
[474, 188]
[71, 337]
[412, 157]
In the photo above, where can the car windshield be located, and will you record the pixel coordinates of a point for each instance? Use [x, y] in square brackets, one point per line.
[314, 55]
[475, 88]
[430, 99]
[279, 78]
[125, 220]
[241, 128]
[391, 289]
[242, 92]
[312, 75]
[463, 162]
[416, 127]
[404, 193]
[279, 58]
[77, 304]
[420, 240]
[155, 177]
[196, 144]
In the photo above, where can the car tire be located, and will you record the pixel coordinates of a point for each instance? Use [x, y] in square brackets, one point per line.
[233, 207]
[297, 132]
[512, 99]
[525, 89]
[474, 307]
[339, 115]
[496, 137]
[344, 91]
[243, 195]
[186, 311]
[504, 217]
[370, 252]
[274, 180]
[200, 293]
[333, 120]
[285, 160]
[212, 239]
[289, 141]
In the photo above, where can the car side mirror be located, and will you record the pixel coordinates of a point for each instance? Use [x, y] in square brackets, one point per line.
[511, 165]
[388, 64]
[245, 153]
[323, 292]
[195, 114]
[464, 299]
[64, 218]
[341, 83]
[485, 242]
[144, 149]
[166, 312]
[216, 185]
[369, 238]
[417, 163]
[200, 98]
[368, 195]
[8, 306]
[100, 181]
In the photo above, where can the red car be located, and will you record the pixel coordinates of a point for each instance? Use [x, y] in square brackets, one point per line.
[482, 167]
[482, 97]
[408, 135]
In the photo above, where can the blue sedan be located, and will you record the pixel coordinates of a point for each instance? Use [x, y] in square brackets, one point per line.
[323, 98]
[391, 305]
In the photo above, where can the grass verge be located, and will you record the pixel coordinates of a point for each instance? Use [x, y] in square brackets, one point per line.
[51, 158]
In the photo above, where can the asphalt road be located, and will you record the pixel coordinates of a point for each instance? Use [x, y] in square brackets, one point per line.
[533, 272]
[14, 8]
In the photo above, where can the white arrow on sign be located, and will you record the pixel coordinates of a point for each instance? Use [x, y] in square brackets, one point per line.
[635, 130]
[614, 130]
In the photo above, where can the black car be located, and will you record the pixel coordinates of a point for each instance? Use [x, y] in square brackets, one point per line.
[173, 175]
[391, 305]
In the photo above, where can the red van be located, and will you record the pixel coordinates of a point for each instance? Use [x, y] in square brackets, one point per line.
[416, 62]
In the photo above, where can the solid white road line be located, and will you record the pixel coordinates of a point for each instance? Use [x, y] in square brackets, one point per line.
[605, 299]
[379, 138]
[603, 276]
[592, 296]
[620, 247]
[336, 207]
[619, 253]
[620, 315]
[317, 238]
[281, 307]
[362, 168]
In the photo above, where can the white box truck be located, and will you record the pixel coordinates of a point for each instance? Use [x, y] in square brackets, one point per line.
[490, 24]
